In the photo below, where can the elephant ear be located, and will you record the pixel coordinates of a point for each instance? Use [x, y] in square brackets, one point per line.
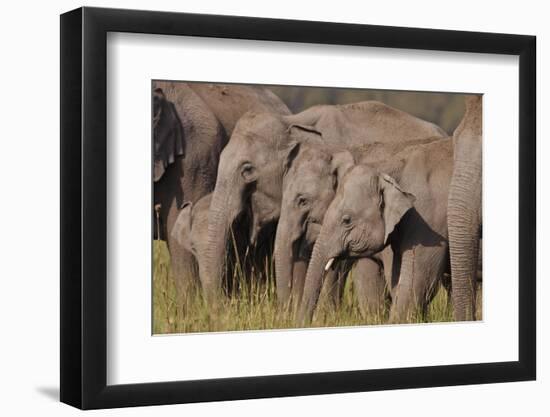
[305, 132]
[182, 227]
[395, 203]
[168, 137]
[341, 163]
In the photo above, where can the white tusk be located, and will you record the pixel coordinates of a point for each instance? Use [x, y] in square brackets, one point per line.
[329, 264]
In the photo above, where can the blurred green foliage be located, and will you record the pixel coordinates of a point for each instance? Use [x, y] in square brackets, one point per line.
[444, 109]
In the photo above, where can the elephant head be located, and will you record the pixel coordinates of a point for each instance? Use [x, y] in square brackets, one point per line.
[358, 223]
[310, 178]
[190, 228]
[167, 133]
[464, 209]
[249, 180]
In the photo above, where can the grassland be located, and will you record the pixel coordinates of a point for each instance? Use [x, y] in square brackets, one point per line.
[254, 306]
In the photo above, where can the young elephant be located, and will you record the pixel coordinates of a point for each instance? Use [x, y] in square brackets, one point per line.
[191, 226]
[309, 186]
[190, 232]
[401, 203]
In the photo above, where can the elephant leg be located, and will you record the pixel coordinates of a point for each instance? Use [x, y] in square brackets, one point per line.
[369, 285]
[447, 285]
[162, 203]
[419, 277]
[446, 282]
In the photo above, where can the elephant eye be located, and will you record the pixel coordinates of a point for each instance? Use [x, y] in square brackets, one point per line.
[302, 201]
[346, 220]
[248, 171]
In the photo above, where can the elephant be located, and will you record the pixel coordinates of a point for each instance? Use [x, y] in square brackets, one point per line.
[309, 185]
[399, 204]
[250, 173]
[191, 226]
[464, 210]
[190, 232]
[191, 125]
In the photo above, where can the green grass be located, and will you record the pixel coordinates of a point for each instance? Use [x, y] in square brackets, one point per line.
[253, 307]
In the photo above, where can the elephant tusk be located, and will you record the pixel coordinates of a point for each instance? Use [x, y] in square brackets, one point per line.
[329, 264]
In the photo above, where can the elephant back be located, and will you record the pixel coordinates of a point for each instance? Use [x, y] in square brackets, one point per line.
[365, 122]
[230, 101]
[384, 123]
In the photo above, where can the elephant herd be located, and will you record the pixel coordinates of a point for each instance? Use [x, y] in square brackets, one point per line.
[334, 188]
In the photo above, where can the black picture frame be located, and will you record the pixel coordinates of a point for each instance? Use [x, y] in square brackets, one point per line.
[84, 207]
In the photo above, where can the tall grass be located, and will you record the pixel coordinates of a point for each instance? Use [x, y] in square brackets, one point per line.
[252, 304]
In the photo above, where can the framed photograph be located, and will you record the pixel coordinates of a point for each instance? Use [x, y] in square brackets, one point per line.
[257, 208]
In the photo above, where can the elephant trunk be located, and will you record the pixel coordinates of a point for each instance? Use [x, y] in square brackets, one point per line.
[220, 219]
[284, 261]
[464, 219]
[319, 263]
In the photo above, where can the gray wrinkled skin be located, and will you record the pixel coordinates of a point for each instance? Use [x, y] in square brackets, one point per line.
[400, 203]
[250, 173]
[464, 210]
